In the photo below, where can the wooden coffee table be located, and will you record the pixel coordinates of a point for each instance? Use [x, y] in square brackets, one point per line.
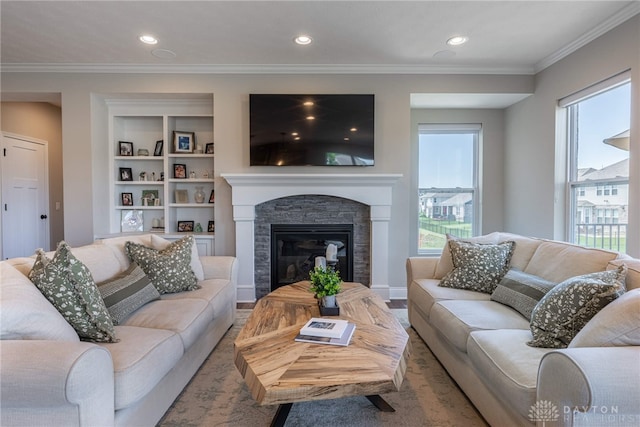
[279, 370]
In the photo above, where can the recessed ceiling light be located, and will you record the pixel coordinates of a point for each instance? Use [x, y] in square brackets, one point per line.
[457, 40]
[310, 118]
[307, 103]
[148, 39]
[353, 129]
[303, 40]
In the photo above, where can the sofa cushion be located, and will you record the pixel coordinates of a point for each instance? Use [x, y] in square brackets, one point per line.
[127, 292]
[632, 281]
[100, 260]
[476, 266]
[558, 261]
[445, 263]
[618, 324]
[426, 292]
[187, 317]
[457, 319]
[116, 244]
[170, 268]
[507, 365]
[218, 293]
[140, 360]
[524, 249]
[26, 314]
[67, 283]
[521, 291]
[567, 308]
[196, 266]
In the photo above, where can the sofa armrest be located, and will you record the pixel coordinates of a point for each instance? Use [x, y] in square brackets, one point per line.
[592, 385]
[220, 267]
[56, 382]
[421, 268]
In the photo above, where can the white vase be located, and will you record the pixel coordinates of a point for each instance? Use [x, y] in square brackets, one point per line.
[199, 195]
[329, 301]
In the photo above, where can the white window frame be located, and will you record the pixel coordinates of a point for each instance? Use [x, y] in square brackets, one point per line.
[455, 128]
[572, 166]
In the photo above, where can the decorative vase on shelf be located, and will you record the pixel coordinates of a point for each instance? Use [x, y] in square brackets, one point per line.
[199, 195]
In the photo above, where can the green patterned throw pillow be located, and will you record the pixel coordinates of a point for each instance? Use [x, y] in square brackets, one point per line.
[476, 266]
[567, 308]
[127, 292]
[67, 283]
[168, 269]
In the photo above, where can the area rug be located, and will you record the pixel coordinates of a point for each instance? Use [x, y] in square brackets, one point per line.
[217, 396]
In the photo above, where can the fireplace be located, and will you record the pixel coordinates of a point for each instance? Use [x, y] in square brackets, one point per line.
[252, 192]
[294, 248]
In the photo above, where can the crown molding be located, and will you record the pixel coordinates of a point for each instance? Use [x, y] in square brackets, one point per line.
[259, 69]
[623, 15]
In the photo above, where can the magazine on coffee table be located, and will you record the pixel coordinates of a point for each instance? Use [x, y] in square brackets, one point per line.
[322, 327]
[343, 341]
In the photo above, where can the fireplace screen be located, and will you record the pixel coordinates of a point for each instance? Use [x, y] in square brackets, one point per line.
[294, 248]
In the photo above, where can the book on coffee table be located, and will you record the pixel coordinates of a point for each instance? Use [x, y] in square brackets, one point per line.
[343, 341]
[321, 327]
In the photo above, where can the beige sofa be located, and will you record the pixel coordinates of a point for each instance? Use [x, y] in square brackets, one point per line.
[482, 343]
[50, 377]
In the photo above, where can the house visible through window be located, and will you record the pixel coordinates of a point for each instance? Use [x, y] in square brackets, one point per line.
[447, 183]
[598, 122]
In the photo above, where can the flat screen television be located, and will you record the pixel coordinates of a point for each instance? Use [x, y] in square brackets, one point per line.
[311, 130]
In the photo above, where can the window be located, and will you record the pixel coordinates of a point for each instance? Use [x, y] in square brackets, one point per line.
[598, 122]
[447, 183]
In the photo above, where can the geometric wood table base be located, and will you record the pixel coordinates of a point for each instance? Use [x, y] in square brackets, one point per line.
[279, 370]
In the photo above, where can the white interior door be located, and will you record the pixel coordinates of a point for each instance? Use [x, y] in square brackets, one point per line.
[25, 196]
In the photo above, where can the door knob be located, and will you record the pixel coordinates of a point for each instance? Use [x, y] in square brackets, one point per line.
[43, 216]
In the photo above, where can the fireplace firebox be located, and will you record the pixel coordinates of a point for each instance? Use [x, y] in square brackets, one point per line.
[294, 248]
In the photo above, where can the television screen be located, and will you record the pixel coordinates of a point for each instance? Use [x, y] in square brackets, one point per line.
[315, 130]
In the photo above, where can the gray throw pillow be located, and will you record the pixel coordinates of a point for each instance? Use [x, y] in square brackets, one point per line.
[127, 292]
[521, 291]
[567, 308]
[476, 266]
[169, 269]
[67, 283]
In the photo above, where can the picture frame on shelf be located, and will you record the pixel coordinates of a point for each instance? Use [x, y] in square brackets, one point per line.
[126, 174]
[158, 150]
[183, 142]
[212, 196]
[125, 148]
[132, 221]
[126, 199]
[180, 171]
[208, 149]
[211, 227]
[149, 197]
[185, 226]
[182, 196]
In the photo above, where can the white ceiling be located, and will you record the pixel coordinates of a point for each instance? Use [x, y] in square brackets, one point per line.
[506, 37]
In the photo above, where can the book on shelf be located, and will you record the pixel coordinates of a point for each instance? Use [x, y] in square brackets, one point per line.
[322, 327]
[342, 341]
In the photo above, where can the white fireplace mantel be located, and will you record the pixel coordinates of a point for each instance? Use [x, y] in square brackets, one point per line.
[249, 190]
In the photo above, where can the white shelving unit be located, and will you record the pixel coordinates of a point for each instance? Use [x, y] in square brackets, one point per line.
[145, 122]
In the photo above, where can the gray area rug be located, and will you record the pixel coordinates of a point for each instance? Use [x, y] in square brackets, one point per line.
[217, 396]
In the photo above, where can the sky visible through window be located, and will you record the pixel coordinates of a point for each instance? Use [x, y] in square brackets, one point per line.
[446, 160]
[601, 117]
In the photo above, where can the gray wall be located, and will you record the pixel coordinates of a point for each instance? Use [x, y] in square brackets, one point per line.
[535, 166]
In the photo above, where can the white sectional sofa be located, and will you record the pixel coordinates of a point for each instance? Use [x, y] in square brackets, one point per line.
[50, 377]
[483, 343]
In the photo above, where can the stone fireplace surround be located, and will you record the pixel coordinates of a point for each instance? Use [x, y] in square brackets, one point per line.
[250, 190]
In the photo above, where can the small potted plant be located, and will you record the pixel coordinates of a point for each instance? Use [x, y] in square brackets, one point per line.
[325, 284]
